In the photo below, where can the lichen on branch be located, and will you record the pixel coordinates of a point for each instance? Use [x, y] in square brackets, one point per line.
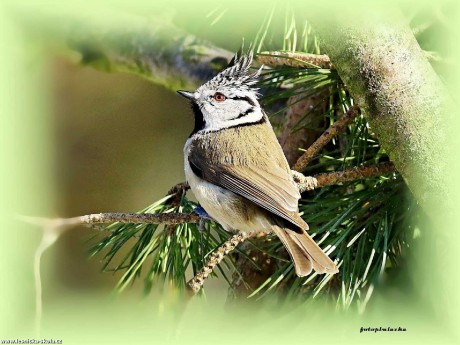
[407, 106]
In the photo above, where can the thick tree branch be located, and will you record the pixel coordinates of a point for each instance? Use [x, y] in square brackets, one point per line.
[390, 79]
[153, 47]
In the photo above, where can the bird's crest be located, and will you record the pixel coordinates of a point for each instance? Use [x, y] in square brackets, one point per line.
[236, 74]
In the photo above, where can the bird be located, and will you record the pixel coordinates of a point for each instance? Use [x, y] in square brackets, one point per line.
[237, 170]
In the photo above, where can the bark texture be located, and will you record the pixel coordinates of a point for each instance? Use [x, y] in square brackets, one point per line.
[310, 111]
[390, 79]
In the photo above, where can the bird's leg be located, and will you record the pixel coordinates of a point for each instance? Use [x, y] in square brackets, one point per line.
[204, 216]
[202, 213]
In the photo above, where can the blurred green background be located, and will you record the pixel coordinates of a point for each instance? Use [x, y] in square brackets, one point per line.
[119, 148]
[75, 140]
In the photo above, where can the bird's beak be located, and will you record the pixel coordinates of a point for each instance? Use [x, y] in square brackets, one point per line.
[187, 94]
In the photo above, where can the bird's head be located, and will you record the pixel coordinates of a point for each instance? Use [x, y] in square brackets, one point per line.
[229, 99]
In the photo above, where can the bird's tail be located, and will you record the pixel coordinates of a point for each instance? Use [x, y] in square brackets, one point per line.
[305, 253]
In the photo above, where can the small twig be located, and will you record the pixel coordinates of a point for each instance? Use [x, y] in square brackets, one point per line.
[338, 127]
[308, 110]
[298, 60]
[140, 218]
[101, 218]
[354, 174]
[177, 192]
[178, 188]
[305, 183]
[216, 257]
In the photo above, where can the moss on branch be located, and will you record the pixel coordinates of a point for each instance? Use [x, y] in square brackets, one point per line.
[390, 79]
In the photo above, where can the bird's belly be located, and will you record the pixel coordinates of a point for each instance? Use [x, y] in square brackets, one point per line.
[227, 208]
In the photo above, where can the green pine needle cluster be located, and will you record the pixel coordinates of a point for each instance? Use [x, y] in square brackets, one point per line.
[159, 253]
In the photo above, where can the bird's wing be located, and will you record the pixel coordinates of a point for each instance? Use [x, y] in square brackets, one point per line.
[271, 188]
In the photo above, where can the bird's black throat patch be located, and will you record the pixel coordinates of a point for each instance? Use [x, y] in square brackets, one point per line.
[199, 119]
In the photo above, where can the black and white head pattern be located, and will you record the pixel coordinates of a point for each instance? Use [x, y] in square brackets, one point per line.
[229, 99]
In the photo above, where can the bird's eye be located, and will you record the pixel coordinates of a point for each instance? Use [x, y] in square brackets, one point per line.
[219, 97]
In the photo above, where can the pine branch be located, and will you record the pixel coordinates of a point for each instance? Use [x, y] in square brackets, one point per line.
[298, 60]
[140, 218]
[196, 283]
[128, 218]
[337, 128]
[354, 174]
[307, 111]
[305, 183]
